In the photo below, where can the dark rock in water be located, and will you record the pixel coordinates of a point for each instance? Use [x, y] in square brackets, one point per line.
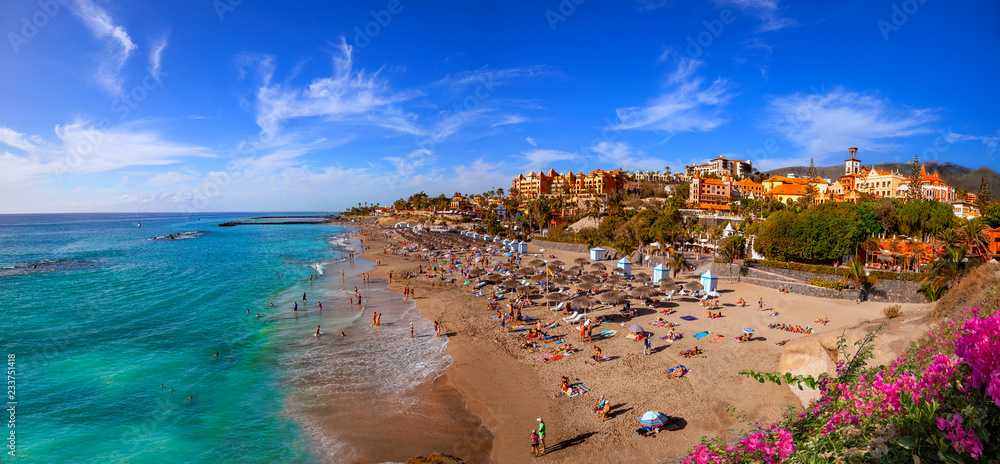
[435, 458]
[45, 265]
[180, 236]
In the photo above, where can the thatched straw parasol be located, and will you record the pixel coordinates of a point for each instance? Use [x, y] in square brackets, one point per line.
[611, 297]
[598, 266]
[587, 286]
[581, 261]
[644, 292]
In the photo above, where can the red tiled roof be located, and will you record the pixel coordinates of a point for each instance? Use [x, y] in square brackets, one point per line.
[788, 189]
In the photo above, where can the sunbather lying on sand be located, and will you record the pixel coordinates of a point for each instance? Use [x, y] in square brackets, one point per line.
[678, 371]
[692, 352]
[782, 343]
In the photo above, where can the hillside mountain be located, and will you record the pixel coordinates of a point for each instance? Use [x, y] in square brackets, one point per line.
[959, 177]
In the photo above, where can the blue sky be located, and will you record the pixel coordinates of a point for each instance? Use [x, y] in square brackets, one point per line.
[229, 105]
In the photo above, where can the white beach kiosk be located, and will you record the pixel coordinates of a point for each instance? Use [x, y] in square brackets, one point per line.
[522, 247]
[598, 254]
[709, 281]
[626, 265]
[661, 271]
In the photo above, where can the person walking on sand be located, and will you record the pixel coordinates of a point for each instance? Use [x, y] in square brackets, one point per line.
[760, 304]
[647, 343]
[534, 442]
[541, 434]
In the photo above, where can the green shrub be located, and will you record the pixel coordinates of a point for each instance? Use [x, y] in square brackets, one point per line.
[827, 284]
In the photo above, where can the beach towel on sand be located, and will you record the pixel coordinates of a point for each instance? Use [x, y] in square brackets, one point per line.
[557, 357]
[579, 389]
[689, 318]
[719, 338]
[701, 334]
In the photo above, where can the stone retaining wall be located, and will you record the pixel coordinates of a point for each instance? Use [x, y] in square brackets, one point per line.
[574, 247]
[888, 291]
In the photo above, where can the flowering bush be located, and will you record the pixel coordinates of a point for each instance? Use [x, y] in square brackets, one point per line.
[939, 402]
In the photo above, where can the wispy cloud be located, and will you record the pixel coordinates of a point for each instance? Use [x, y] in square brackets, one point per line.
[990, 143]
[489, 77]
[756, 44]
[539, 158]
[154, 58]
[406, 166]
[687, 104]
[531, 141]
[84, 149]
[768, 11]
[827, 123]
[620, 155]
[17, 140]
[509, 119]
[347, 95]
[119, 44]
[168, 178]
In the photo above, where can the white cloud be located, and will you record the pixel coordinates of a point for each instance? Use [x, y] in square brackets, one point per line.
[119, 44]
[619, 155]
[531, 141]
[478, 176]
[685, 105]
[168, 178]
[540, 159]
[346, 96]
[828, 123]
[489, 78]
[154, 58]
[85, 149]
[767, 11]
[990, 143]
[17, 140]
[406, 166]
[509, 119]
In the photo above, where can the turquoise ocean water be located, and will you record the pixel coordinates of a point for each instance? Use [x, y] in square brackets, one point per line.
[99, 316]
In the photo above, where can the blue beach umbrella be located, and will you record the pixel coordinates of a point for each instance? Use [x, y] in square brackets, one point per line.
[654, 419]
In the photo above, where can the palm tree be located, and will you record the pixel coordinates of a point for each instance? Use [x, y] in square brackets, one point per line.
[860, 278]
[932, 292]
[949, 269]
[971, 233]
[948, 238]
[677, 262]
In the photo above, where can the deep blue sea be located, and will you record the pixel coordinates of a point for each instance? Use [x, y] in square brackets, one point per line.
[98, 317]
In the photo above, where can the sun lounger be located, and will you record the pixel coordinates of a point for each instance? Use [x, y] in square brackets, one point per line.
[574, 319]
[574, 316]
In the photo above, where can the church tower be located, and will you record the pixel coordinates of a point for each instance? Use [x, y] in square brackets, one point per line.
[852, 165]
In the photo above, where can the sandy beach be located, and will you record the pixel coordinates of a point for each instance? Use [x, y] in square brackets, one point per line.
[510, 388]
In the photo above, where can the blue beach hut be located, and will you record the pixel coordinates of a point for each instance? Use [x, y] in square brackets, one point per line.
[660, 272]
[709, 281]
[626, 265]
[598, 254]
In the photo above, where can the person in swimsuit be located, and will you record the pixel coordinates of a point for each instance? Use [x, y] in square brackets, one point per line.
[317, 331]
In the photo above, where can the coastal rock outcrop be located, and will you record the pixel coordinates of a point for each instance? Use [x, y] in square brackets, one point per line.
[815, 354]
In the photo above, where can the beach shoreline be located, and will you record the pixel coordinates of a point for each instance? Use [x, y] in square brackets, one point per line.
[510, 389]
